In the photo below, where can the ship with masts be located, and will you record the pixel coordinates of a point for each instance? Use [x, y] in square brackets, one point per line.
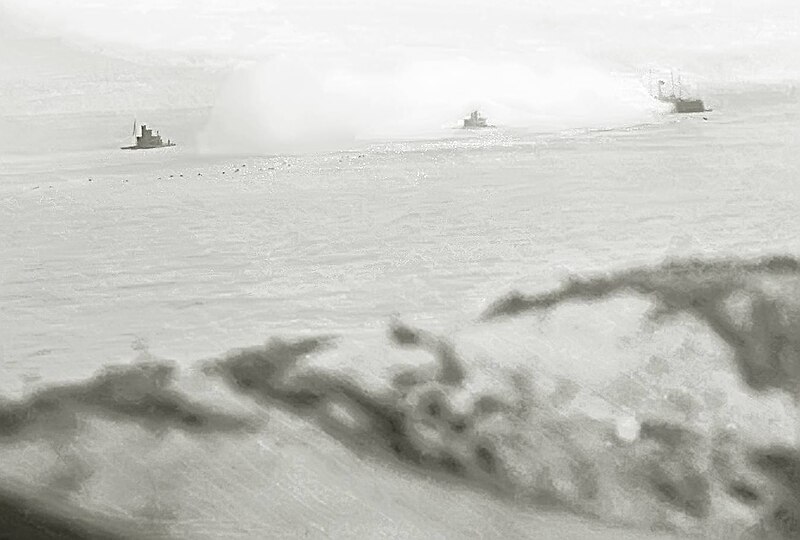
[678, 102]
[147, 140]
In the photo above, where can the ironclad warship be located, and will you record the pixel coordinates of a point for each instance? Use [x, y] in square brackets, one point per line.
[475, 121]
[147, 140]
[679, 103]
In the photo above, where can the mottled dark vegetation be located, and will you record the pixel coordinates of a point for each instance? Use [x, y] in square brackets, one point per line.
[390, 420]
[668, 463]
[567, 462]
[261, 373]
[744, 493]
[670, 435]
[139, 393]
[24, 518]
[690, 494]
[766, 346]
[451, 369]
[782, 465]
[671, 471]
[672, 278]
[486, 459]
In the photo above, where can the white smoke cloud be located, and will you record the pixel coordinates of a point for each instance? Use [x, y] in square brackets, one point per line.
[298, 104]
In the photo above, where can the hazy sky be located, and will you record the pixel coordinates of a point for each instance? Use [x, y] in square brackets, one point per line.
[719, 37]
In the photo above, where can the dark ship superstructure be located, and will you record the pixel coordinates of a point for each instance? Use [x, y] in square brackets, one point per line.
[475, 121]
[679, 103]
[147, 140]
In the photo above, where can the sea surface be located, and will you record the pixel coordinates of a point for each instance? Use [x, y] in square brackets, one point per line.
[182, 255]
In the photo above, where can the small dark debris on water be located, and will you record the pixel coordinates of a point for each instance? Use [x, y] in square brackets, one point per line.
[705, 118]
[90, 179]
[180, 175]
[199, 174]
[170, 176]
[223, 172]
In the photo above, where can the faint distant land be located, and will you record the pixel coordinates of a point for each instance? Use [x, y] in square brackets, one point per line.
[147, 140]
[678, 102]
[475, 121]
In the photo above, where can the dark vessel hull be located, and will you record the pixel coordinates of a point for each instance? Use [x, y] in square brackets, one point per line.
[686, 105]
[136, 147]
[689, 106]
